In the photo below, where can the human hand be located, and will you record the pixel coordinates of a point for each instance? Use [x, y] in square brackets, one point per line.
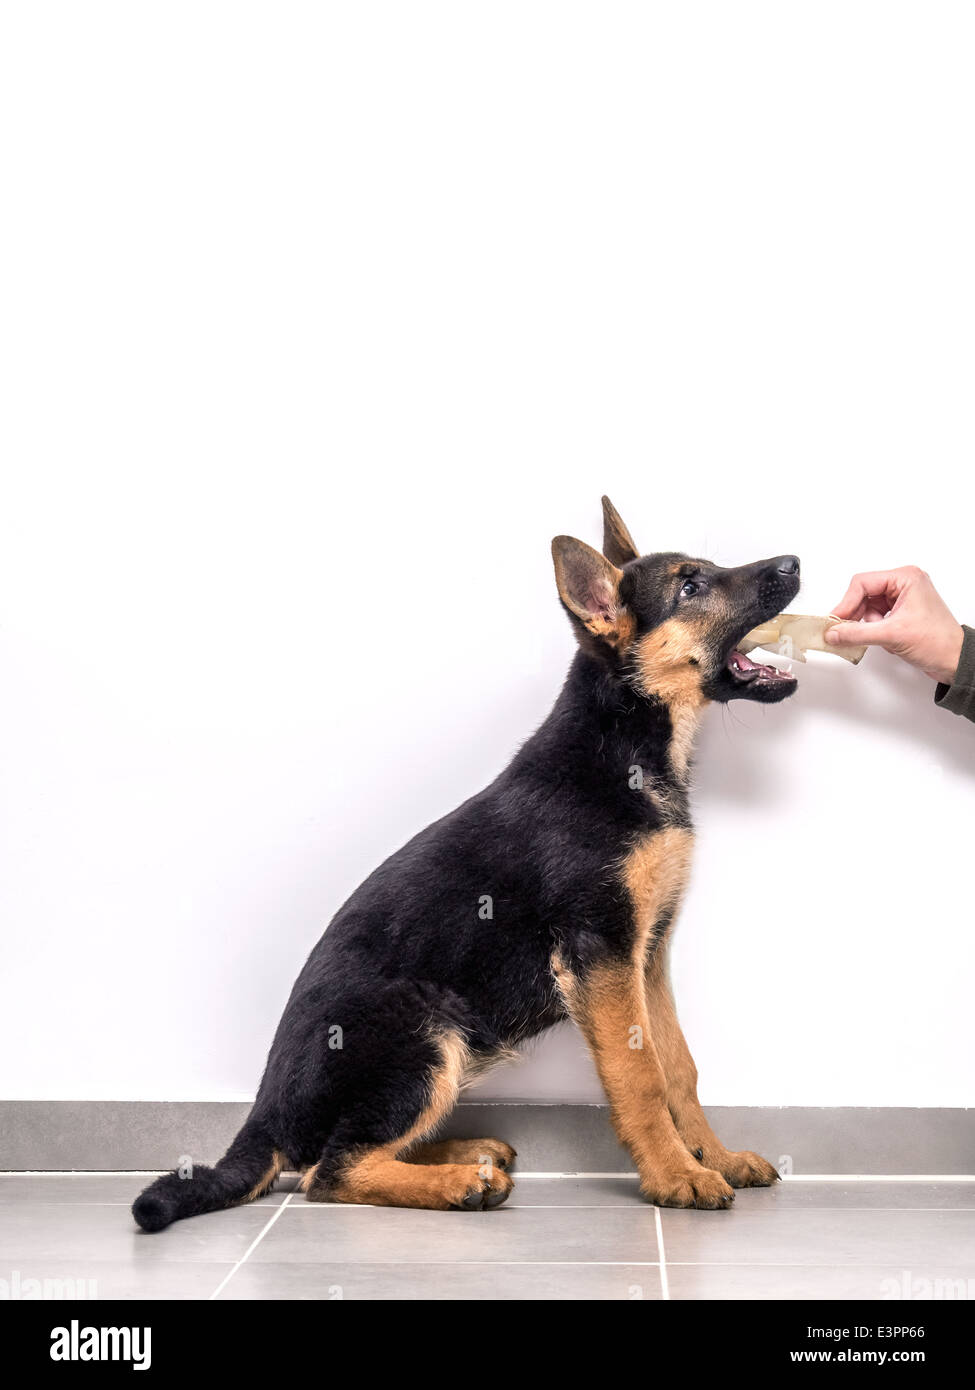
[901, 611]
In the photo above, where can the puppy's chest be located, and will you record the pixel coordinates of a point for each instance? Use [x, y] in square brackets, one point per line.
[655, 875]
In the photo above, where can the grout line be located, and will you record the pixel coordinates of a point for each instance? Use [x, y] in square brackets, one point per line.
[664, 1281]
[878, 1177]
[253, 1246]
[83, 1172]
[890, 1264]
[641, 1205]
[508, 1206]
[526, 1173]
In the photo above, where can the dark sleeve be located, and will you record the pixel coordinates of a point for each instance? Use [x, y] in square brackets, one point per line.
[959, 696]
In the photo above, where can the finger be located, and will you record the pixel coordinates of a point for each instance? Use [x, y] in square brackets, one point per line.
[871, 610]
[882, 584]
[870, 634]
[847, 611]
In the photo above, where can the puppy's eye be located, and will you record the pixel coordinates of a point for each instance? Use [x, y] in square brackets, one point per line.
[689, 588]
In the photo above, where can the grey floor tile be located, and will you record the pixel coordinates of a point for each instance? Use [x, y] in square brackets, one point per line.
[873, 1196]
[373, 1235]
[820, 1237]
[569, 1237]
[486, 1282]
[76, 1233]
[805, 1281]
[92, 1279]
[95, 1189]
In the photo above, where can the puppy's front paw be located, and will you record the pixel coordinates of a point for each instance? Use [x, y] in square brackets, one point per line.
[693, 1187]
[746, 1169]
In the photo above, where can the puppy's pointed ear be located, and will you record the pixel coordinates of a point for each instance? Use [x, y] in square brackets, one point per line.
[589, 587]
[617, 542]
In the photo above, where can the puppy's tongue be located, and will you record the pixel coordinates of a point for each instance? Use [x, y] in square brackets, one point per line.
[747, 670]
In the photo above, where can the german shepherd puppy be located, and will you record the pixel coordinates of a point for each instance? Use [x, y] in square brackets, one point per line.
[549, 895]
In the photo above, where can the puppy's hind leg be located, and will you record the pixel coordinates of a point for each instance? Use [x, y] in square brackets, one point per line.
[482, 1152]
[368, 1157]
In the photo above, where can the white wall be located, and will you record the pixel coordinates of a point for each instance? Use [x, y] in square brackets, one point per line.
[318, 324]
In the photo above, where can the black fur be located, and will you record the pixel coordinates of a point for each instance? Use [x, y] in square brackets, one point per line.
[410, 950]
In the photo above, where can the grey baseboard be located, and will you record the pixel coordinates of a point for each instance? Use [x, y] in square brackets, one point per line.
[150, 1135]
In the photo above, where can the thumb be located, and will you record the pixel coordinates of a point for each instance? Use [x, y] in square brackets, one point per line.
[859, 634]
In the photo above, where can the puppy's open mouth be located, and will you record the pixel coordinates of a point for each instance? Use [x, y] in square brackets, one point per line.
[743, 671]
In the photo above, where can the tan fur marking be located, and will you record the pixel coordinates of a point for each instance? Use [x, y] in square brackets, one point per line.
[655, 875]
[669, 661]
[621, 633]
[477, 1066]
[264, 1184]
[618, 630]
[564, 979]
[447, 1081]
[675, 1058]
[684, 721]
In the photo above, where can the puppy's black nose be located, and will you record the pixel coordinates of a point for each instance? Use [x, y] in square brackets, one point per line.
[788, 564]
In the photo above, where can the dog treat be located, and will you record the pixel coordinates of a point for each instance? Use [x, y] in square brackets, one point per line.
[792, 635]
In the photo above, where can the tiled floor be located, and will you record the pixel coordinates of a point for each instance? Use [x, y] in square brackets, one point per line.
[567, 1237]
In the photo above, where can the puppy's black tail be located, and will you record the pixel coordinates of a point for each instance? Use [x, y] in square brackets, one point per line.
[246, 1171]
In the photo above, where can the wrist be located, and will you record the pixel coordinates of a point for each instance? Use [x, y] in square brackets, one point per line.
[947, 668]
